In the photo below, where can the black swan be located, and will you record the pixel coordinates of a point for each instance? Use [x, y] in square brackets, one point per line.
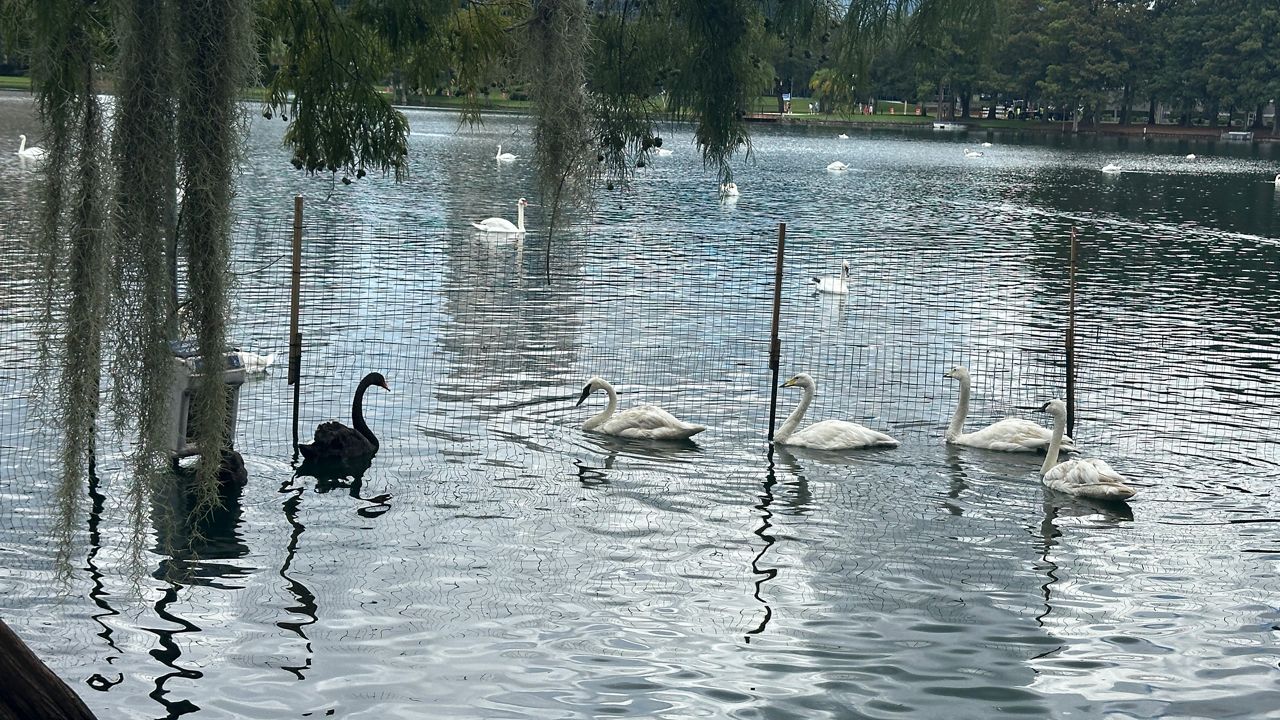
[335, 442]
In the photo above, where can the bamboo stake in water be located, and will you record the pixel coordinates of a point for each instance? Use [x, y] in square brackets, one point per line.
[295, 338]
[1071, 339]
[775, 345]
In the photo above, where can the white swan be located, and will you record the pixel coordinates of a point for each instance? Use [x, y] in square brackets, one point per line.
[1007, 435]
[31, 153]
[503, 157]
[826, 434]
[1191, 156]
[1111, 168]
[503, 225]
[663, 152]
[1085, 477]
[1277, 179]
[729, 189]
[837, 166]
[648, 422]
[834, 284]
[842, 136]
[986, 144]
[255, 363]
[972, 153]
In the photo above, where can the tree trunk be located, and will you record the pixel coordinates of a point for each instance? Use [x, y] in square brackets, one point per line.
[966, 97]
[1125, 103]
[938, 113]
[31, 690]
[991, 111]
[1212, 112]
[1257, 117]
[1151, 112]
[1075, 116]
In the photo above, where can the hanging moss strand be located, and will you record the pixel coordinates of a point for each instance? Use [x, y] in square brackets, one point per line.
[214, 49]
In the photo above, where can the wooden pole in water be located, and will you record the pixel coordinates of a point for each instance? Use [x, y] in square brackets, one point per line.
[31, 690]
[1071, 338]
[775, 345]
[295, 338]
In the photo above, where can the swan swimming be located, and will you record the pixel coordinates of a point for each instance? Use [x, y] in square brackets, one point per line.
[503, 225]
[834, 284]
[663, 152]
[253, 362]
[1085, 477]
[972, 153]
[1191, 156]
[503, 157]
[729, 189]
[825, 434]
[842, 136]
[837, 166]
[1007, 435]
[1111, 168]
[648, 422]
[986, 144]
[31, 153]
[1277, 179]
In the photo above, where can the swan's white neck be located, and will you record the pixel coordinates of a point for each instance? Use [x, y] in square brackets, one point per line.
[597, 420]
[793, 420]
[22, 144]
[1051, 457]
[520, 227]
[962, 411]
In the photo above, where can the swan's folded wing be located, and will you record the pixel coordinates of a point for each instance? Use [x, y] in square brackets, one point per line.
[649, 421]
[1012, 435]
[840, 435]
[1090, 478]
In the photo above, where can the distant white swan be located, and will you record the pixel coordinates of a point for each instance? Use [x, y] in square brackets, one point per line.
[986, 144]
[972, 153]
[1111, 168]
[1007, 435]
[255, 363]
[729, 189]
[663, 152]
[1191, 156]
[503, 157]
[1278, 180]
[834, 284]
[842, 136]
[826, 434]
[648, 422]
[1085, 477]
[837, 166]
[502, 225]
[31, 153]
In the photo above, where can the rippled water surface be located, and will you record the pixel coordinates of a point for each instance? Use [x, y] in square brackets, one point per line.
[497, 562]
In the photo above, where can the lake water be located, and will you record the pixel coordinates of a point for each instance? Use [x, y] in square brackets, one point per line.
[497, 562]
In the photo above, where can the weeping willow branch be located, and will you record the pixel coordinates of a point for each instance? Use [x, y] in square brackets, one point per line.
[717, 84]
[215, 51]
[328, 83]
[558, 43]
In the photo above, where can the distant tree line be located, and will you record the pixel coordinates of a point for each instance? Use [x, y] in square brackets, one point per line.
[1193, 59]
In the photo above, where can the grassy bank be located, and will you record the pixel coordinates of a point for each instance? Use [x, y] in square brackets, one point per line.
[11, 82]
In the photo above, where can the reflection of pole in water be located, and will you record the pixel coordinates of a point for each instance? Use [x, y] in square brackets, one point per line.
[98, 593]
[764, 575]
[1048, 532]
[306, 605]
[168, 654]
